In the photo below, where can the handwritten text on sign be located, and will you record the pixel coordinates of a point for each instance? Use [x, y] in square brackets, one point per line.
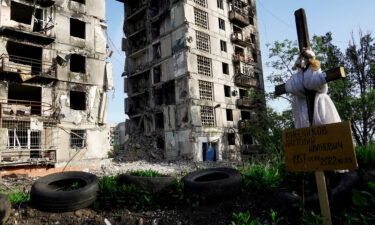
[326, 147]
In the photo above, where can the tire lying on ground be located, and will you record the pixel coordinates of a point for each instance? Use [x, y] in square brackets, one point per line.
[64, 192]
[150, 184]
[340, 192]
[214, 183]
[5, 207]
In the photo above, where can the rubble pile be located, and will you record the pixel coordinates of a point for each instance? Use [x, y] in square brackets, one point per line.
[140, 147]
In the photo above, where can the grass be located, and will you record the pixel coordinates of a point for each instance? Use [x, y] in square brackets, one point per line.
[260, 177]
[145, 173]
[16, 196]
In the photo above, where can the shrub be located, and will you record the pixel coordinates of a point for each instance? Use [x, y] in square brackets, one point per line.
[17, 197]
[261, 177]
[366, 156]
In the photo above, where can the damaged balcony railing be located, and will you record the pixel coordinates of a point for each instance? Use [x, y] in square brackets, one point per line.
[240, 39]
[240, 57]
[19, 157]
[23, 108]
[27, 67]
[240, 16]
[245, 81]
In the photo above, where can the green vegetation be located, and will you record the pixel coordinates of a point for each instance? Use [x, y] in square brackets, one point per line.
[366, 156]
[16, 196]
[261, 177]
[144, 173]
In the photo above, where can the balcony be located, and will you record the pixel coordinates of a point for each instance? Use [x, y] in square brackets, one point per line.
[27, 68]
[25, 109]
[246, 103]
[238, 38]
[27, 157]
[239, 17]
[245, 81]
[135, 12]
[239, 57]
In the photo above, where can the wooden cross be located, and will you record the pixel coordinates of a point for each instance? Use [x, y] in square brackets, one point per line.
[333, 74]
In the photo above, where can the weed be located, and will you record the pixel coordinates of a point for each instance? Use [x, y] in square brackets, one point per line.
[145, 173]
[18, 197]
[244, 219]
[261, 176]
[275, 218]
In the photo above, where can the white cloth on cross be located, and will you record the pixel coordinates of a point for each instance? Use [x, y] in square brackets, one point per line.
[324, 110]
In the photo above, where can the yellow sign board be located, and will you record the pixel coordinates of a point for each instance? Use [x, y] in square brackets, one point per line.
[320, 148]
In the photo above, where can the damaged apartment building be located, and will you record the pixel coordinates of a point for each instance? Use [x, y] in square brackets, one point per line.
[54, 80]
[193, 68]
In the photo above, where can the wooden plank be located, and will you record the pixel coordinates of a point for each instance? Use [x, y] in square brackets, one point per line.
[320, 148]
[302, 30]
[323, 197]
[332, 75]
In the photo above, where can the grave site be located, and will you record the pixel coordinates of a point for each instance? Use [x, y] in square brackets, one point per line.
[201, 146]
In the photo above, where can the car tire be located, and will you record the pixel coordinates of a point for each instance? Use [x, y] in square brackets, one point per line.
[5, 207]
[45, 193]
[214, 183]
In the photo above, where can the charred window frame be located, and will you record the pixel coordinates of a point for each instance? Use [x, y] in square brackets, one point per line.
[159, 121]
[78, 138]
[77, 100]
[255, 57]
[157, 74]
[77, 28]
[77, 63]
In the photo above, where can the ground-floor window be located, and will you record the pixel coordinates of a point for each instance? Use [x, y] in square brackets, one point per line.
[78, 138]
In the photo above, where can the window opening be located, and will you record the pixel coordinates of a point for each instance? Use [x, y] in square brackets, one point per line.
[221, 24]
[225, 68]
[201, 18]
[159, 121]
[78, 138]
[77, 100]
[207, 116]
[77, 63]
[223, 46]
[204, 65]
[227, 91]
[157, 74]
[24, 100]
[231, 139]
[77, 28]
[229, 115]
[21, 13]
[203, 41]
[205, 90]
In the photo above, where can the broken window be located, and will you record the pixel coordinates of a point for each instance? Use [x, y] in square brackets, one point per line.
[21, 13]
[205, 90]
[77, 28]
[77, 100]
[223, 46]
[24, 58]
[169, 93]
[38, 21]
[207, 116]
[229, 115]
[155, 28]
[243, 93]
[255, 57]
[159, 121]
[77, 138]
[245, 115]
[77, 63]
[231, 139]
[227, 91]
[156, 51]
[203, 41]
[80, 1]
[204, 65]
[24, 100]
[157, 74]
[158, 96]
[201, 18]
[225, 68]
[201, 2]
[221, 24]
[24, 138]
[247, 139]
[220, 4]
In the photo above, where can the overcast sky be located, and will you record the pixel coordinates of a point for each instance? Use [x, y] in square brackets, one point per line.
[275, 21]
